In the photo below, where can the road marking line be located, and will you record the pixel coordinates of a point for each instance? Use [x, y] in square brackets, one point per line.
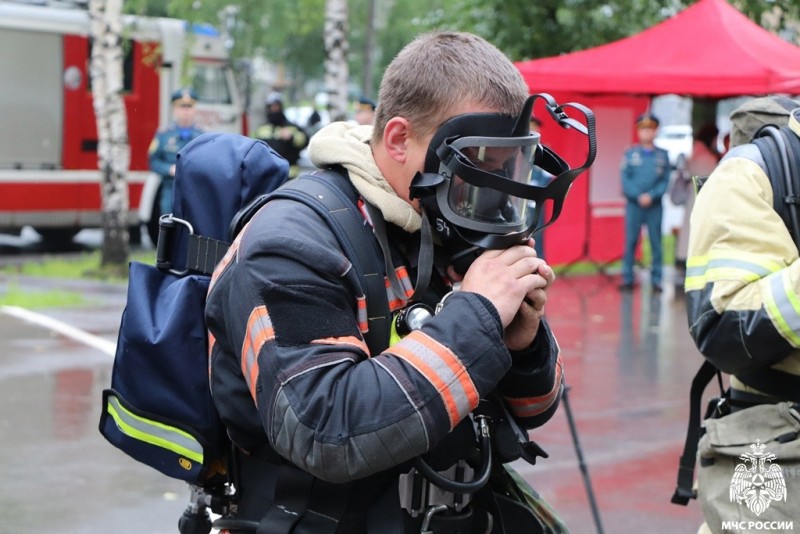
[77, 334]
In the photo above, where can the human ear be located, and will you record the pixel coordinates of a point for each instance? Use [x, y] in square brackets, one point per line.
[396, 136]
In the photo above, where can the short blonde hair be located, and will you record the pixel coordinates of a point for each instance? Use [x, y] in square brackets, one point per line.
[437, 71]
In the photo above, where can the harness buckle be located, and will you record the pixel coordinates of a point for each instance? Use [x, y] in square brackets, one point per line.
[166, 228]
[418, 495]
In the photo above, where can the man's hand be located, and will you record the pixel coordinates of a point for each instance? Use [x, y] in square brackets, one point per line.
[645, 200]
[515, 282]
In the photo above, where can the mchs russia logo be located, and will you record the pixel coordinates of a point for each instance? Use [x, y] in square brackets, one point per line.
[757, 481]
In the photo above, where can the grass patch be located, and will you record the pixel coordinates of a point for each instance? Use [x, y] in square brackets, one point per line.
[15, 296]
[83, 265]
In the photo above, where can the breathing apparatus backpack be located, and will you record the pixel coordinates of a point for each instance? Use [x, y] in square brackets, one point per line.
[780, 149]
[158, 408]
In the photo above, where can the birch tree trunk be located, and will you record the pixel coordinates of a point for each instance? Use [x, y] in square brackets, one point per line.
[336, 48]
[113, 150]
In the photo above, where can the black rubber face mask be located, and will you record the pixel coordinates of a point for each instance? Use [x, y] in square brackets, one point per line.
[477, 187]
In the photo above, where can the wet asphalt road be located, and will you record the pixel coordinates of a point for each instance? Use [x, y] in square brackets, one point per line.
[628, 361]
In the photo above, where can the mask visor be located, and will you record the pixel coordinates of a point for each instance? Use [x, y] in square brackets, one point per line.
[490, 181]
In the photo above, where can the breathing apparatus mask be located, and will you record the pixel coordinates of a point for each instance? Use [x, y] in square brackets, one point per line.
[477, 187]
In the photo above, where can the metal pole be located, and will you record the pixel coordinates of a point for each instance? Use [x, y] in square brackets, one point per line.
[581, 463]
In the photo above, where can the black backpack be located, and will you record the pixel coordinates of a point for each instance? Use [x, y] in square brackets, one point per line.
[780, 149]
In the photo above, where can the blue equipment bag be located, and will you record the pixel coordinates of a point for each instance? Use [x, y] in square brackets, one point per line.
[159, 409]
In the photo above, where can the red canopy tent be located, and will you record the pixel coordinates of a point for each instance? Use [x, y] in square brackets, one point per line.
[708, 50]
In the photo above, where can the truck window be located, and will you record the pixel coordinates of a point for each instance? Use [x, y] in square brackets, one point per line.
[210, 81]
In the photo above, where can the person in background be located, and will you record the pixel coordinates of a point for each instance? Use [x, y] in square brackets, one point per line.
[163, 151]
[285, 137]
[365, 111]
[645, 176]
[702, 161]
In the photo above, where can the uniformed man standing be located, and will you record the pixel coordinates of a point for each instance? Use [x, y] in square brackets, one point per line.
[163, 152]
[365, 111]
[645, 177]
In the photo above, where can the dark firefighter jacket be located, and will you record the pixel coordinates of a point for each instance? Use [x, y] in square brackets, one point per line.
[290, 370]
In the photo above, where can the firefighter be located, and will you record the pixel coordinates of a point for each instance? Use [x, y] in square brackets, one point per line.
[335, 436]
[163, 152]
[742, 288]
[285, 137]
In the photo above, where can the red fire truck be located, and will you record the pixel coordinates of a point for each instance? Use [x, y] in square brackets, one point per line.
[48, 137]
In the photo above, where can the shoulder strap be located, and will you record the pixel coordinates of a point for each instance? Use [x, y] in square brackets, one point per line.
[684, 491]
[335, 199]
[780, 149]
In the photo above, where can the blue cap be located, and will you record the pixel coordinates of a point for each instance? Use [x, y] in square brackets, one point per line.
[647, 120]
[365, 104]
[184, 95]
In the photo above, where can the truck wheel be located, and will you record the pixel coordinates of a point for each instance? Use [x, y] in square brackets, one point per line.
[135, 234]
[57, 238]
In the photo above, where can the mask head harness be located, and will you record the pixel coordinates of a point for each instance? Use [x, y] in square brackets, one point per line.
[476, 186]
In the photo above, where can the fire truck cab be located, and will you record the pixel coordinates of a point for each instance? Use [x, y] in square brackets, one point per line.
[49, 176]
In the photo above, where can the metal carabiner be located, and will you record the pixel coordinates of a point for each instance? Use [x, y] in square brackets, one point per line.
[166, 224]
[429, 513]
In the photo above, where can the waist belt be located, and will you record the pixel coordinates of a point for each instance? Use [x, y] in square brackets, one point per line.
[740, 400]
[282, 498]
[778, 384]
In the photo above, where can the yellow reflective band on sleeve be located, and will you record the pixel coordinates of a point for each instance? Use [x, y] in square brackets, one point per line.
[158, 434]
[783, 306]
[702, 270]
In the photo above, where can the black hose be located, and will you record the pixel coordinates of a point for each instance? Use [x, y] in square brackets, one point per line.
[473, 485]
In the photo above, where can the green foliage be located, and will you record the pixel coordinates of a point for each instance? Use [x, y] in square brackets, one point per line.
[289, 32]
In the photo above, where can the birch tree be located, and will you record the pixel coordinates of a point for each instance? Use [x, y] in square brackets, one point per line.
[336, 48]
[113, 150]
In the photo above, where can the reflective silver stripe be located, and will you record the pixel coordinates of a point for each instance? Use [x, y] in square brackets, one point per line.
[158, 434]
[699, 273]
[783, 305]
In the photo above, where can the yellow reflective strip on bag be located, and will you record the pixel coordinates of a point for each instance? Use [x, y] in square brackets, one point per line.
[154, 433]
[783, 307]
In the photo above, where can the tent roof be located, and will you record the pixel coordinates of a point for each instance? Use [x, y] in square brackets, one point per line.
[709, 49]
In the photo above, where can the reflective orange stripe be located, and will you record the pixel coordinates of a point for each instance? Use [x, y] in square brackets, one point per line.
[405, 280]
[532, 406]
[211, 341]
[363, 319]
[443, 370]
[395, 303]
[226, 259]
[259, 331]
[352, 341]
